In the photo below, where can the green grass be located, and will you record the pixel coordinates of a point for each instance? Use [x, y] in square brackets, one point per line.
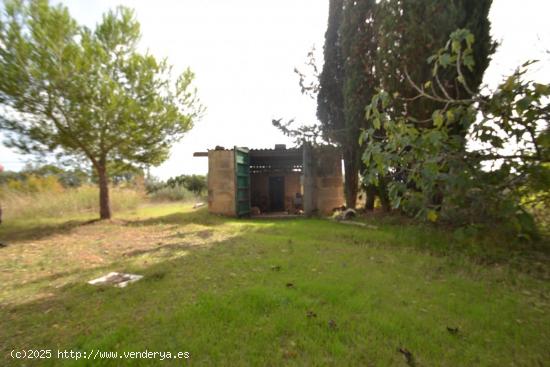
[217, 288]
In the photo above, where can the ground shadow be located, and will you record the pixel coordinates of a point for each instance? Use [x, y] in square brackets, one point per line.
[60, 314]
[14, 233]
[169, 247]
[200, 216]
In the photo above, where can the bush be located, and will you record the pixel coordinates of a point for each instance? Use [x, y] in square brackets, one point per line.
[195, 183]
[172, 193]
[33, 184]
[65, 177]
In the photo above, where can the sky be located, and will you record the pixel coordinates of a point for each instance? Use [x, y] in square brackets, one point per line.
[243, 53]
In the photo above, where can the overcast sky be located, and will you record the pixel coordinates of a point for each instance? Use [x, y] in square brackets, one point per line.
[244, 51]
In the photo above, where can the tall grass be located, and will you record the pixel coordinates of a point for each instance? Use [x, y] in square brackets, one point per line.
[31, 205]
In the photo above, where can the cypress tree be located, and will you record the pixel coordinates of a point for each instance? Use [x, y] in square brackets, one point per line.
[347, 82]
[358, 44]
[330, 100]
[370, 45]
[411, 31]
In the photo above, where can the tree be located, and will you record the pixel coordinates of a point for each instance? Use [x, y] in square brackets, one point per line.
[330, 99]
[358, 43]
[506, 168]
[194, 183]
[347, 82]
[88, 93]
[407, 40]
[73, 177]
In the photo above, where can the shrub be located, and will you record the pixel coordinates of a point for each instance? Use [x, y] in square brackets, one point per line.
[195, 183]
[33, 183]
[172, 193]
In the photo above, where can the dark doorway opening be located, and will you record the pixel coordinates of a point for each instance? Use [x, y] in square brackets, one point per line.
[277, 193]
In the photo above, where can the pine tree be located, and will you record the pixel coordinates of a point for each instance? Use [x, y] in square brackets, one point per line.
[89, 94]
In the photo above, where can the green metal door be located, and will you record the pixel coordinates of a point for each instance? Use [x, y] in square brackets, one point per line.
[242, 182]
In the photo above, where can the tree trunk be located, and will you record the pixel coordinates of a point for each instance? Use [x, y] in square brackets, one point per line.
[383, 195]
[371, 196]
[351, 175]
[104, 204]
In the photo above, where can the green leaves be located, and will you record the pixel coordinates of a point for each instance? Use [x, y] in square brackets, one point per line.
[542, 89]
[92, 93]
[523, 104]
[438, 118]
[89, 93]
[445, 59]
[373, 114]
[475, 159]
[376, 123]
[432, 215]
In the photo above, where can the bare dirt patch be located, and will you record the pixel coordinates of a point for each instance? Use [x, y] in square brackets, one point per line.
[31, 266]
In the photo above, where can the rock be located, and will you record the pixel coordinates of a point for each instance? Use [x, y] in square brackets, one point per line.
[349, 214]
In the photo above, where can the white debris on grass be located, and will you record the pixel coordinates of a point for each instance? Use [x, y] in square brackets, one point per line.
[120, 280]
[198, 205]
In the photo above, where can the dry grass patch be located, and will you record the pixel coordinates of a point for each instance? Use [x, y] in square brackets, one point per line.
[32, 268]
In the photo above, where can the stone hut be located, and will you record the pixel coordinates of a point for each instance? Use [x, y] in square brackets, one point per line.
[245, 181]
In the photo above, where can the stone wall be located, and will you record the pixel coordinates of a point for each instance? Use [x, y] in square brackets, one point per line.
[326, 183]
[292, 186]
[221, 182]
[329, 181]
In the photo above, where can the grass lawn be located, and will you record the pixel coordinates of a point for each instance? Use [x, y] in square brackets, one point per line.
[266, 293]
